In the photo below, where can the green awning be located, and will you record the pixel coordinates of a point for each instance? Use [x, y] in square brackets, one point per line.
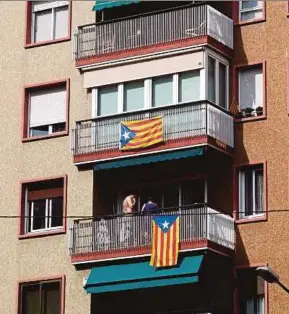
[141, 275]
[132, 161]
[102, 4]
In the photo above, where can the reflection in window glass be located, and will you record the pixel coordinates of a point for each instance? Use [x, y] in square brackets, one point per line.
[107, 100]
[222, 85]
[212, 79]
[189, 86]
[133, 95]
[162, 88]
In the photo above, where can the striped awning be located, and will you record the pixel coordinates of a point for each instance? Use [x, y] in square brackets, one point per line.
[106, 4]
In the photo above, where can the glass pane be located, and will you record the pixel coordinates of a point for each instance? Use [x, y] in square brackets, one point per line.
[222, 85]
[248, 193]
[251, 89]
[189, 86]
[58, 127]
[42, 27]
[249, 4]
[51, 298]
[162, 88]
[30, 299]
[61, 22]
[171, 196]
[133, 96]
[57, 212]
[259, 191]
[107, 100]
[39, 130]
[211, 79]
[38, 214]
[251, 15]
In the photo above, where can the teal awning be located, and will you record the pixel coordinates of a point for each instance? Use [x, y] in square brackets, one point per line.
[141, 275]
[132, 161]
[102, 4]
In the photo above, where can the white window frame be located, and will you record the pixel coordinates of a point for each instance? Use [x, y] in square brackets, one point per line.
[259, 8]
[241, 190]
[224, 62]
[53, 6]
[148, 94]
[48, 216]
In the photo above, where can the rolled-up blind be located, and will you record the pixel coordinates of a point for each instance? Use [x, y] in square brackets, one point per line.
[45, 5]
[47, 106]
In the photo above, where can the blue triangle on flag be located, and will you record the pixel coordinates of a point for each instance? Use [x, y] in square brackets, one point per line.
[165, 222]
[126, 135]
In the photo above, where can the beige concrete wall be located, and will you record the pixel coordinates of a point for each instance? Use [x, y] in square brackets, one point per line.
[267, 242]
[47, 256]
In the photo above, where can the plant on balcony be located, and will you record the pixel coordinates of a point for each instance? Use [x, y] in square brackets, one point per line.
[259, 111]
[247, 112]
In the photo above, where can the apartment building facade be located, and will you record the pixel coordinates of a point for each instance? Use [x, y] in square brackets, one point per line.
[75, 77]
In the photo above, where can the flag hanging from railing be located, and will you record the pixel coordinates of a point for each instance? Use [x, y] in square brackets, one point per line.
[165, 241]
[140, 133]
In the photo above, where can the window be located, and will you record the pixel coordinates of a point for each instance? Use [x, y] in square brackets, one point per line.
[251, 10]
[147, 93]
[41, 297]
[217, 90]
[251, 190]
[251, 289]
[43, 205]
[162, 91]
[251, 91]
[46, 110]
[133, 95]
[107, 100]
[49, 20]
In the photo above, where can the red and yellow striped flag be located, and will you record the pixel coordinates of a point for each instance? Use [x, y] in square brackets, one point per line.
[141, 133]
[165, 241]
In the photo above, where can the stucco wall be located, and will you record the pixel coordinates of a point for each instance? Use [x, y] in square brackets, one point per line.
[267, 140]
[47, 256]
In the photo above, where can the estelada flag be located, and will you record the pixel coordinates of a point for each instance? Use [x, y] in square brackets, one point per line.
[165, 240]
[141, 133]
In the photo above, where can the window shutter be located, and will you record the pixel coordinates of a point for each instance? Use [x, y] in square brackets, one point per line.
[61, 22]
[47, 107]
[45, 5]
[41, 194]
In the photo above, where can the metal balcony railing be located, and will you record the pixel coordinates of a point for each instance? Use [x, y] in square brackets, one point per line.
[150, 29]
[114, 233]
[179, 122]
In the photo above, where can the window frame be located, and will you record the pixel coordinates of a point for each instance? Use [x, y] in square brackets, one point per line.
[38, 281]
[236, 89]
[236, 291]
[26, 130]
[236, 191]
[237, 14]
[30, 21]
[23, 221]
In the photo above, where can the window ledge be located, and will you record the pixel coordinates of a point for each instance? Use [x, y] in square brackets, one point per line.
[39, 234]
[48, 42]
[252, 219]
[263, 117]
[45, 137]
[249, 22]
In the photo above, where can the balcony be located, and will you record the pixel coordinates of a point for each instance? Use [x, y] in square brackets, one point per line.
[150, 33]
[190, 124]
[112, 237]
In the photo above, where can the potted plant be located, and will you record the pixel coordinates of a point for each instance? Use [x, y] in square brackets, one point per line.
[259, 111]
[248, 111]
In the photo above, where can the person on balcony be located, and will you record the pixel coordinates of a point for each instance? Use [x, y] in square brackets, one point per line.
[129, 204]
[150, 206]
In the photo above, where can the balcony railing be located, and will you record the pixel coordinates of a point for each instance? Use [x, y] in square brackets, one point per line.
[115, 233]
[151, 29]
[183, 121]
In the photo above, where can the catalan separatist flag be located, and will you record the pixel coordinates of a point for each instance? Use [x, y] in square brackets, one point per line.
[141, 133]
[165, 241]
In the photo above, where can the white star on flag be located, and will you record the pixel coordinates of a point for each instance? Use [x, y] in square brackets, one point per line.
[126, 135]
[165, 225]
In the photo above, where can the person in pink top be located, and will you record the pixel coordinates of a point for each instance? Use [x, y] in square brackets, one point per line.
[129, 204]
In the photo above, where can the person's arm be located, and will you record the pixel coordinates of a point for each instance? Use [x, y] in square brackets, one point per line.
[143, 207]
